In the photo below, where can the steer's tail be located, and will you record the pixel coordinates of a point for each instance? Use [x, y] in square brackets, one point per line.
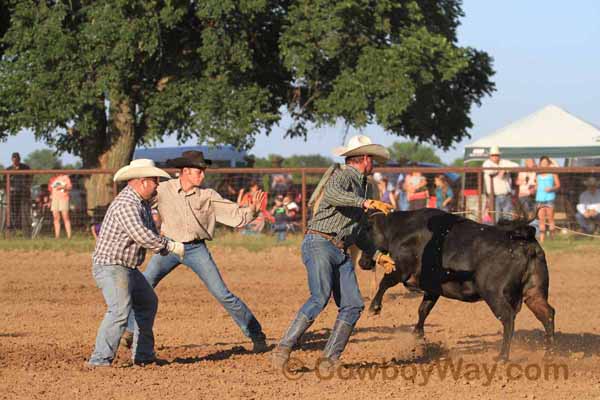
[535, 290]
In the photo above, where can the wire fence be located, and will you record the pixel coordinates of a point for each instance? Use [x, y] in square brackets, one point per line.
[26, 198]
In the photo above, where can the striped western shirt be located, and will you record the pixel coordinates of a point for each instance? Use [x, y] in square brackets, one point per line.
[127, 231]
[340, 212]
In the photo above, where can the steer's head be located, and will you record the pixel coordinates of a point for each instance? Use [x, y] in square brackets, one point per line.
[376, 234]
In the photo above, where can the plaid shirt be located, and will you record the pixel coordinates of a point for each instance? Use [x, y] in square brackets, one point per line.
[341, 213]
[127, 231]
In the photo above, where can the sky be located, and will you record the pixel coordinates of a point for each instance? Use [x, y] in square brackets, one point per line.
[545, 52]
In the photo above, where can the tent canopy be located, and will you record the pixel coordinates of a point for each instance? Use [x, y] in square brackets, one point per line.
[550, 131]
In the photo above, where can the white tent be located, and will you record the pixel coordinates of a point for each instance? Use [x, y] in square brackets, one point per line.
[550, 131]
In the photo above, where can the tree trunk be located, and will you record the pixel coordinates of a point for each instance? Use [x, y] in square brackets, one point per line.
[117, 153]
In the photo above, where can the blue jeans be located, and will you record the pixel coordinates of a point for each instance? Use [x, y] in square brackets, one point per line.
[503, 207]
[198, 258]
[124, 290]
[281, 230]
[587, 224]
[330, 270]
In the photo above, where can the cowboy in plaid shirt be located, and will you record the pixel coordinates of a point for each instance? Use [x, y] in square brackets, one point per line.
[127, 231]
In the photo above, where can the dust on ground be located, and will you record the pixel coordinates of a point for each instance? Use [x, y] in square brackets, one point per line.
[51, 309]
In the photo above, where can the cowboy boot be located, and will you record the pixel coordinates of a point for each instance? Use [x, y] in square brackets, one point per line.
[281, 353]
[336, 344]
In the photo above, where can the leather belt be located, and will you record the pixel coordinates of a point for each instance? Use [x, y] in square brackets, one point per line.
[340, 245]
[195, 241]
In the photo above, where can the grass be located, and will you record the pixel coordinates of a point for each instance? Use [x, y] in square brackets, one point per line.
[84, 243]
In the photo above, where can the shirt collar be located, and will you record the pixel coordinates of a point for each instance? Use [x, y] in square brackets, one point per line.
[355, 171]
[136, 194]
[179, 188]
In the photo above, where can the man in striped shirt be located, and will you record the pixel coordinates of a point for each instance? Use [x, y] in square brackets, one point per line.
[127, 231]
[339, 221]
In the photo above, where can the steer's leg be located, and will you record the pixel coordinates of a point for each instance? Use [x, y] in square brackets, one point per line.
[543, 311]
[388, 281]
[427, 304]
[506, 314]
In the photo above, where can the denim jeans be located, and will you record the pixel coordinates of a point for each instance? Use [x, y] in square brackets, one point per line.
[281, 230]
[124, 290]
[587, 224]
[198, 258]
[503, 207]
[330, 270]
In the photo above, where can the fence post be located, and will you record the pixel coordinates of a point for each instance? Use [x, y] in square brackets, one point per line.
[479, 195]
[304, 208]
[7, 205]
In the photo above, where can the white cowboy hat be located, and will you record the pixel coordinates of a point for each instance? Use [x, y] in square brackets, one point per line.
[590, 181]
[361, 145]
[141, 168]
[495, 151]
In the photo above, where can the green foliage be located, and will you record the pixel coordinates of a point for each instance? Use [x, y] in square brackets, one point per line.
[460, 162]
[294, 161]
[42, 159]
[89, 76]
[403, 152]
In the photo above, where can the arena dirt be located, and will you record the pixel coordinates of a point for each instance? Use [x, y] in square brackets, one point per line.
[51, 309]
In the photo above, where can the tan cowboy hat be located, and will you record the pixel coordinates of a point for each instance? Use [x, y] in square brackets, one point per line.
[361, 145]
[590, 181]
[495, 151]
[141, 168]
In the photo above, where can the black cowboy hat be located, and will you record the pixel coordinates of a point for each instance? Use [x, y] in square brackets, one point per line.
[189, 159]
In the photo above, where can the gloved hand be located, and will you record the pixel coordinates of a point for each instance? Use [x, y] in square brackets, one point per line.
[379, 206]
[176, 248]
[385, 261]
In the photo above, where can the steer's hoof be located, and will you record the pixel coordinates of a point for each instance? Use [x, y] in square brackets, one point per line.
[501, 358]
[374, 310]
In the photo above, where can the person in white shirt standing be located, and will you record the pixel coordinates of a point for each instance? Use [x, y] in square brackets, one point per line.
[499, 182]
[588, 209]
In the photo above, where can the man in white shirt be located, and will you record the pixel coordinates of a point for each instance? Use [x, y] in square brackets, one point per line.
[500, 181]
[588, 209]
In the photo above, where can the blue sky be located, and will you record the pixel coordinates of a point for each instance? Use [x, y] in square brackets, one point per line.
[545, 52]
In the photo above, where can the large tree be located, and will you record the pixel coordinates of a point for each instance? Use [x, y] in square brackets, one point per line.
[404, 152]
[98, 77]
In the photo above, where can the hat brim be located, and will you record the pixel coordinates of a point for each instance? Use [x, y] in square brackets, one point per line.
[126, 173]
[183, 162]
[377, 151]
[589, 182]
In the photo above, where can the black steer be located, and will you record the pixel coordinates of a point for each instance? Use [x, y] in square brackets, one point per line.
[451, 256]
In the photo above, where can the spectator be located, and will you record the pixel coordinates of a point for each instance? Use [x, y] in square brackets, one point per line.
[59, 187]
[245, 200]
[292, 212]
[415, 186]
[279, 213]
[588, 209]
[20, 196]
[527, 188]
[443, 193]
[280, 183]
[384, 194]
[95, 229]
[501, 184]
[400, 194]
[547, 186]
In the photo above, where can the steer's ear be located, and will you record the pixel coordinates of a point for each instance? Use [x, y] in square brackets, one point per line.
[372, 213]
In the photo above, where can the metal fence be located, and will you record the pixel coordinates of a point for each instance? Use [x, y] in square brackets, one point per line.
[25, 198]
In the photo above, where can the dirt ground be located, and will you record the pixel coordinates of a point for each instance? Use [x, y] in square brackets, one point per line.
[50, 310]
